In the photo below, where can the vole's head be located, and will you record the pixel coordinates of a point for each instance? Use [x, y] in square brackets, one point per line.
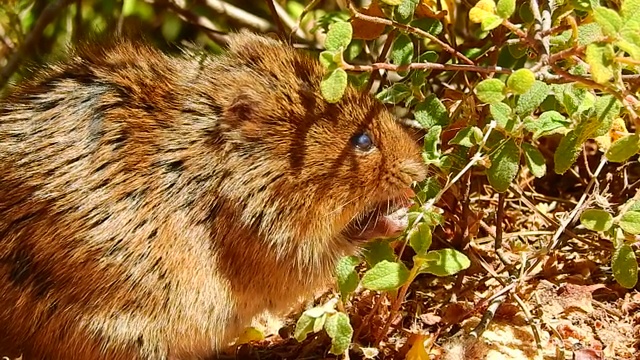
[329, 168]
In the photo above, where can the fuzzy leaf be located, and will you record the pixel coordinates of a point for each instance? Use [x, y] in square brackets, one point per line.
[630, 222]
[431, 152]
[347, 276]
[600, 59]
[608, 19]
[330, 59]
[431, 112]
[534, 160]
[338, 36]
[482, 10]
[532, 99]
[406, 9]
[596, 220]
[520, 81]
[624, 148]
[566, 152]
[443, 262]
[304, 326]
[377, 251]
[501, 113]
[394, 94]
[505, 8]
[333, 85]
[467, 137]
[339, 329]
[625, 266]
[402, 50]
[385, 276]
[505, 162]
[630, 9]
[549, 123]
[490, 91]
[420, 238]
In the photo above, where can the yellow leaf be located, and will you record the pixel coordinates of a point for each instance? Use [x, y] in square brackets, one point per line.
[417, 351]
[250, 334]
[482, 10]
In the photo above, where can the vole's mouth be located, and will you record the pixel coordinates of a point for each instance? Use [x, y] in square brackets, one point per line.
[387, 219]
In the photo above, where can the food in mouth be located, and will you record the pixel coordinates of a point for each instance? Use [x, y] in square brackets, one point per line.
[387, 219]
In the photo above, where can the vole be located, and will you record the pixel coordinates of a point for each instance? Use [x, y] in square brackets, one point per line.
[152, 205]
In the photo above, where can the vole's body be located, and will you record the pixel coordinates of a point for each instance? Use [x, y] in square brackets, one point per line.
[150, 206]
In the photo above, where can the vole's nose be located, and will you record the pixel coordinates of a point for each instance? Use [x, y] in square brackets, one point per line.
[413, 170]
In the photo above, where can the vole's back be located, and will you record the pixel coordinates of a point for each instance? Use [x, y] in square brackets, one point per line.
[94, 187]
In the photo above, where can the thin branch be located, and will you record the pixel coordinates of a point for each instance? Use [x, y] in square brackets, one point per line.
[46, 17]
[427, 66]
[276, 18]
[358, 15]
[210, 29]
[237, 14]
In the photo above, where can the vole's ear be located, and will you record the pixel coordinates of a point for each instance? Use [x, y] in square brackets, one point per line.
[246, 44]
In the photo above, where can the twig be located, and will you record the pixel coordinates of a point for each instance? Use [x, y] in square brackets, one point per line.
[276, 18]
[427, 66]
[498, 240]
[235, 13]
[358, 15]
[555, 241]
[210, 29]
[46, 17]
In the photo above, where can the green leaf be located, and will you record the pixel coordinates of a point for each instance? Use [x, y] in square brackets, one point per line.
[596, 220]
[534, 160]
[385, 276]
[430, 187]
[491, 22]
[467, 137]
[392, 2]
[318, 323]
[431, 112]
[549, 123]
[566, 152]
[505, 162]
[420, 238]
[501, 113]
[624, 148]
[394, 94]
[333, 85]
[600, 56]
[339, 329]
[304, 326]
[330, 59]
[490, 91]
[432, 26]
[530, 100]
[402, 50]
[347, 276]
[431, 152]
[625, 266]
[505, 8]
[520, 81]
[377, 251]
[338, 36]
[630, 9]
[443, 262]
[609, 20]
[630, 222]
[406, 9]
[607, 109]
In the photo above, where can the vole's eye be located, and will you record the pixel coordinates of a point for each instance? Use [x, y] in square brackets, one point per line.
[362, 141]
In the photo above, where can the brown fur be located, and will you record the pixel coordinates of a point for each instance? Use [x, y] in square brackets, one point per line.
[151, 206]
